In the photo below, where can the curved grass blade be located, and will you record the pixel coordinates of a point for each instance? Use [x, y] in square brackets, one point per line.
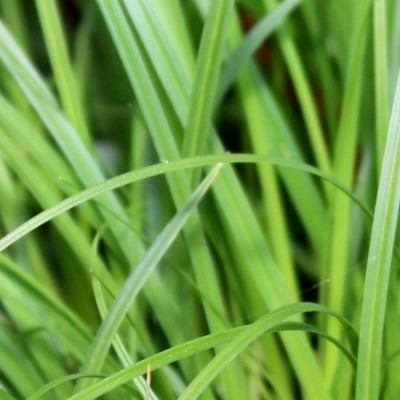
[56, 382]
[301, 326]
[158, 169]
[233, 349]
[269, 322]
[288, 326]
[138, 278]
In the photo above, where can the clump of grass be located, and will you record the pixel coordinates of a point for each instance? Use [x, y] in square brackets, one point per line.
[199, 199]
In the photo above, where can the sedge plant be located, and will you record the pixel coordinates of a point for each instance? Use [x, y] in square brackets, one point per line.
[199, 199]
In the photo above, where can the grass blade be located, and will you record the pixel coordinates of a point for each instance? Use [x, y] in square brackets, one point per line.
[234, 348]
[244, 333]
[158, 169]
[344, 163]
[206, 78]
[379, 262]
[138, 278]
[52, 27]
[381, 77]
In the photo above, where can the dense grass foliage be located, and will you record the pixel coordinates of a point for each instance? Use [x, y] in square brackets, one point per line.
[199, 199]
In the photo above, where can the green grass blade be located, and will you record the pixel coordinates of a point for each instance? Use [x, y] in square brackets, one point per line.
[271, 194]
[138, 278]
[51, 385]
[394, 52]
[187, 349]
[55, 40]
[240, 343]
[208, 66]
[158, 169]
[300, 326]
[344, 163]
[174, 71]
[117, 343]
[381, 77]
[379, 262]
